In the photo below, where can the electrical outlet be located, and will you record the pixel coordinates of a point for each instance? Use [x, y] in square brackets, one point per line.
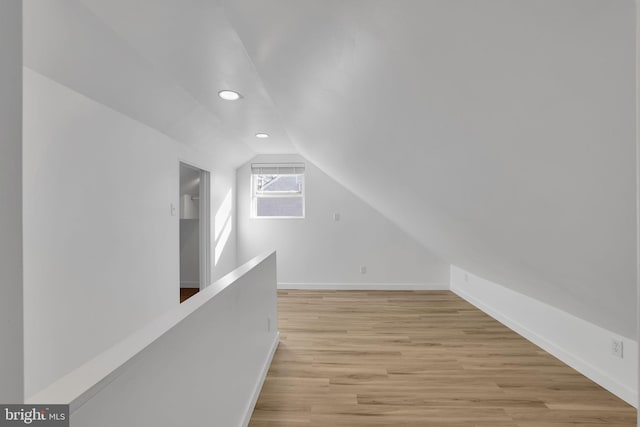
[173, 209]
[617, 348]
[363, 269]
[336, 216]
[268, 324]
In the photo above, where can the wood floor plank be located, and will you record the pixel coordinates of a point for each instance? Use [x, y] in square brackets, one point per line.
[186, 293]
[417, 358]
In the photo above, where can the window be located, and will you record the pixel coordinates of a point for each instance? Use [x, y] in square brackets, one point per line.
[277, 190]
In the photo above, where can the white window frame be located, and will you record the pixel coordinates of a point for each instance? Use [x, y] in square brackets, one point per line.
[284, 169]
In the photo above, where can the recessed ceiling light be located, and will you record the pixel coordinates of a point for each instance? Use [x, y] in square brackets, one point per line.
[262, 135]
[229, 95]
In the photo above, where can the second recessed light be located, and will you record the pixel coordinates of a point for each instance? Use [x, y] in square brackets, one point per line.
[262, 135]
[229, 95]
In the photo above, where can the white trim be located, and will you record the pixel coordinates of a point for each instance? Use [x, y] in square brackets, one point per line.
[195, 165]
[277, 217]
[281, 168]
[367, 286]
[578, 343]
[80, 385]
[204, 214]
[261, 379]
[189, 284]
[254, 199]
[637, 5]
[205, 229]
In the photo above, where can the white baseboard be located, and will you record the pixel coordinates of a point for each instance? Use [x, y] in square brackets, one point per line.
[582, 345]
[367, 286]
[263, 376]
[189, 284]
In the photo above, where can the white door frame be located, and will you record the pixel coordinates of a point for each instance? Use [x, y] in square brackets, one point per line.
[204, 229]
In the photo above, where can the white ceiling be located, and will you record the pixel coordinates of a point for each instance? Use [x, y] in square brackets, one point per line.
[499, 133]
[189, 180]
[161, 62]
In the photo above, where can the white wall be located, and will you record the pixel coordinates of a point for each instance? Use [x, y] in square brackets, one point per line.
[101, 256]
[11, 325]
[223, 217]
[101, 247]
[201, 363]
[318, 250]
[509, 127]
[582, 345]
[216, 381]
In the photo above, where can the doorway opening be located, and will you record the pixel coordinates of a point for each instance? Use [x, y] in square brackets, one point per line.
[194, 230]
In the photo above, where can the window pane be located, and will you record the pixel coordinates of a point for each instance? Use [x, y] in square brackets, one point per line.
[279, 206]
[279, 183]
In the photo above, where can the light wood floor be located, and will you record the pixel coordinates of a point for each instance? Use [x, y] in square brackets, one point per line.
[358, 358]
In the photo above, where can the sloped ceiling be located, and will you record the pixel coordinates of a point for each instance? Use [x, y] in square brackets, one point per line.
[499, 133]
[161, 62]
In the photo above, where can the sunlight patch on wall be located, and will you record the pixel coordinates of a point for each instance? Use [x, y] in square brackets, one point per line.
[224, 238]
[223, 214]
[223, 226]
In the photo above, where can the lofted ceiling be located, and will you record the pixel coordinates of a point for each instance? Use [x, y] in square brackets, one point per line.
[161, 62]
[499, 133]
